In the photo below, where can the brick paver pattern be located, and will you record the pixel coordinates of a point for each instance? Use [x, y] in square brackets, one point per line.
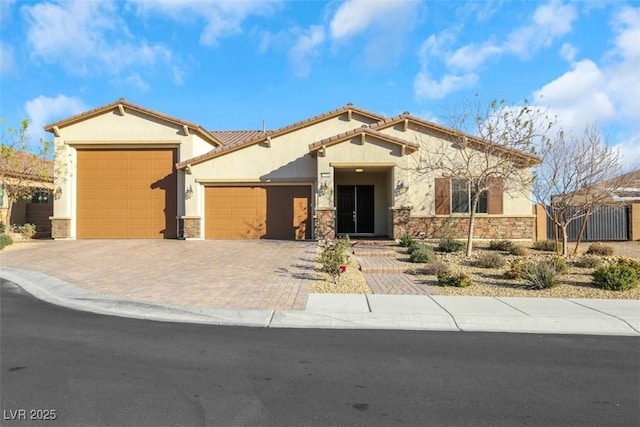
[240, 274]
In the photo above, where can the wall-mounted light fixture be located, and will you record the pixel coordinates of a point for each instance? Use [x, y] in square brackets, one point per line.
[58, 193]
[324, 188]
[359, 170]
[189, 193]
[401, 188]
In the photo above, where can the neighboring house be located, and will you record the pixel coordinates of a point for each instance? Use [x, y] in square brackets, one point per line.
[136, 173]
[34, 173]
[616, 216]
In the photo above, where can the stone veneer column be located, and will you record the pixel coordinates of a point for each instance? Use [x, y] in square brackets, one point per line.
[191, 227]
[60, 228]
[400, 219]
[325, 226]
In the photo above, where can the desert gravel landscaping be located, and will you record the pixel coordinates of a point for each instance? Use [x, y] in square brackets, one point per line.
[576, 283]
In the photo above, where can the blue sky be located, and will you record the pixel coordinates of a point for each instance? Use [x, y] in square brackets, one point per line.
[233, 64]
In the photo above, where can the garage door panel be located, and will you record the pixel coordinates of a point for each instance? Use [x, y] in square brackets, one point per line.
[116, 198]
[269, 212]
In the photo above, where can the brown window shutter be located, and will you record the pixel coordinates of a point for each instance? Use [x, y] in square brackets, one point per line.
[443, 196]
[495, 196]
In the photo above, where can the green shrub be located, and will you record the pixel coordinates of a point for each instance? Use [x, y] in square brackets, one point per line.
[540, 275]
[588, 262]
[501, 245]
[421, 253]
[5, 241]
[490, 260]
[518, 250]
[449, 245]
[516, 268]
[26, 230]
[630, 262]
[405, 241]
[2, 227]
[414, 244]
[558, 264]
[334, 259]
[546, 245]
[459, 280]
[615, 278]
[600, 249]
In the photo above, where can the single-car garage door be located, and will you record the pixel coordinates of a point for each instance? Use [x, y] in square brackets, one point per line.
[126, 193]
[259, 212]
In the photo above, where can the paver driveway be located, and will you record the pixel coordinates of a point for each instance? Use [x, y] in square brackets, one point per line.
[260, 274]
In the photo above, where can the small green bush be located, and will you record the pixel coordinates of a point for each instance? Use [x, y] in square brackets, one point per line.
[540, 275]
[518, 250]
[449, 245]
[600, 249]
[501, 245]
[516, 268]
[546, 245]
[588, 261]
[490, 260]
[414, 244]
[630, 262]
[405, 241]
[5, 241]
[26, 230]
[421, 254]
[558, 264]
[615, 278]
[333, 258]
[459, 280]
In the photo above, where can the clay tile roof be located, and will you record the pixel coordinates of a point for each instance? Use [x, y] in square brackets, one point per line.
[228, 137]
[26, 165]
[128, 105]
[388, 122]
[262, 136]
[358, 131]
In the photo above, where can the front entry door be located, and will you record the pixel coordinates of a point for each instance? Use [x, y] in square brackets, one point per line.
[355, 209]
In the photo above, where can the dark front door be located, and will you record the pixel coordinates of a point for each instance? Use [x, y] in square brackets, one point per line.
[355, 209]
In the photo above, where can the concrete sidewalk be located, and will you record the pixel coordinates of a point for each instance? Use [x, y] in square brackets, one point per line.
[333, 311]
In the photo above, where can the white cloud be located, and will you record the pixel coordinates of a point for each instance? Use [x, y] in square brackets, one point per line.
[550, 21]
[355, 16]
[6, 59]
[568, 52]
[426, 86]
[304, 47]
[221, 18]
[88, 37]
[629, 150]
[43, 110]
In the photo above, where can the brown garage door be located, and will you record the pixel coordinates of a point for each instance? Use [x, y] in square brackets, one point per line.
[126, 193]
[261, 212]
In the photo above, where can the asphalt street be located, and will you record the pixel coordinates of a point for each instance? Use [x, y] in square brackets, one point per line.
[87, 369]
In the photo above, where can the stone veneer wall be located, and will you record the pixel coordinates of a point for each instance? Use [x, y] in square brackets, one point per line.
[60, 228]
[325, 223]
[190, 228]
[486, 227]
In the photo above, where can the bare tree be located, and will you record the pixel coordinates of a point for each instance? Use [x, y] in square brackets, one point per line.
[576, 177]
[490, 152]
[21, 172]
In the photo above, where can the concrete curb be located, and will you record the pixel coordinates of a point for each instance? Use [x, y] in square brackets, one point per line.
[333, 311]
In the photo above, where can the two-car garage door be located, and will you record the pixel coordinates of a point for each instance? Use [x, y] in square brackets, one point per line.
[126, 193]
[258, 212]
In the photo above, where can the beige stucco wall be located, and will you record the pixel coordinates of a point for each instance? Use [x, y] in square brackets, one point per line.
[516, 201]
[286, 160]
[113, 129]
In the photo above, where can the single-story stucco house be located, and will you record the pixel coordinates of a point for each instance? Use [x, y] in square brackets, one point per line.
[132, 172]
